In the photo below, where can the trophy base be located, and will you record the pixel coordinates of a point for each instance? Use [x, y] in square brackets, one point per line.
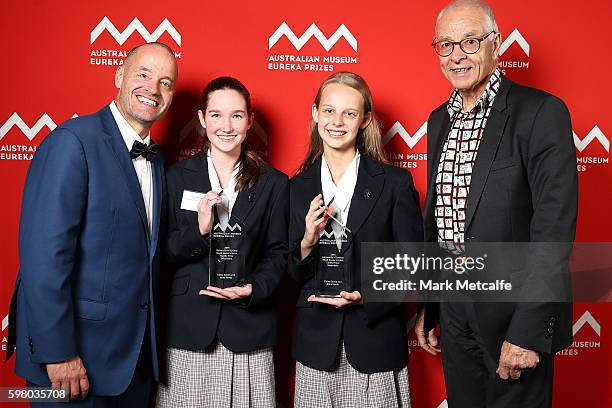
[327, 295]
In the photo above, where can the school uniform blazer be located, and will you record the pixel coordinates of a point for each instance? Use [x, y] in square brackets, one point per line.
[195, 321]
[524, 188]
[89, 269]
[384, 208]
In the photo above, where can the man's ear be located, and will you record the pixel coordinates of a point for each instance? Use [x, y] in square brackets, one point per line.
[119, 77]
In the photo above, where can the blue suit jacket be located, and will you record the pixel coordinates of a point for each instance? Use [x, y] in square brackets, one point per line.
[89, 271]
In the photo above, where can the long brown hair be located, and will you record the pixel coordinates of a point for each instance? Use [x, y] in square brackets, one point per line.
[250, 165]
[368, 139]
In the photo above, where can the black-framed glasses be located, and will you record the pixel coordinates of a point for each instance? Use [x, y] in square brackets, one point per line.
[469, 45]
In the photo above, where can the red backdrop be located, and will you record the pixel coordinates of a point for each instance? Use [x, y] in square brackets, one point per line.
[60, 57]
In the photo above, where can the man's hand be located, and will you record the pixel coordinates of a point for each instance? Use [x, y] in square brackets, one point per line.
[428, 342]
[513, 359]
[231, 293]
[345, 299]
[70, 376]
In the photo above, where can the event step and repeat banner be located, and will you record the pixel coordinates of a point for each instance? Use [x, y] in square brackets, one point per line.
[59, 60]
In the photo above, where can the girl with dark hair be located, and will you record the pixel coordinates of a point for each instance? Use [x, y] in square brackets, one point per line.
[227, 243]
[349, 353]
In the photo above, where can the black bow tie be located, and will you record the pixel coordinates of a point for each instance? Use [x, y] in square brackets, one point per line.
[141, 149]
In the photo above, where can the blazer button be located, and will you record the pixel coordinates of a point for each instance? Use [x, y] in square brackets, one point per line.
[144, 306]
[196, 252]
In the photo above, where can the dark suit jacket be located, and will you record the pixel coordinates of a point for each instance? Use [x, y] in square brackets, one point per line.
[384, 208]
[524, 188]
[195, 321]
[88, 277]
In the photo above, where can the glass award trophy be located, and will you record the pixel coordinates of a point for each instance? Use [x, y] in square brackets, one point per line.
[333, 275]
[226, 261]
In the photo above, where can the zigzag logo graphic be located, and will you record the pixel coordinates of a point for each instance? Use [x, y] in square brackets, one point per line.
[194, 124]
[595, 133]
[411, 141]
[586, 318]
[235, 227]
[330, 235]
[29, 132]
[313, 30]
[135, 25]
[444, 404]
[515, 36]
[5, 323]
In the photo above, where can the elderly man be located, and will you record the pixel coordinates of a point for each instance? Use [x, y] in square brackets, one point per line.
[502, 168]
[83, 310]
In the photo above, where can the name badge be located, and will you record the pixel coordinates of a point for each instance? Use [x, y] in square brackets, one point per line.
[190, 200]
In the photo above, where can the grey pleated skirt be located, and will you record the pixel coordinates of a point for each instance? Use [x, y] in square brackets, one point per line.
[346, 387]
[218, 378]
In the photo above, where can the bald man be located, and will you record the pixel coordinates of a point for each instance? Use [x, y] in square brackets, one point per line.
[83, 311]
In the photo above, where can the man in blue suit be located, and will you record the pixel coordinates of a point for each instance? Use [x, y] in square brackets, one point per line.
[83, 311]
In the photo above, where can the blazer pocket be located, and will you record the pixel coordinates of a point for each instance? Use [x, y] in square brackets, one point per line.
[180, 285]
[90, 310]
[505, 163]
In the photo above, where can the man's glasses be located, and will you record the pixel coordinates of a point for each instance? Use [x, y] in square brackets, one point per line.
[469, 45]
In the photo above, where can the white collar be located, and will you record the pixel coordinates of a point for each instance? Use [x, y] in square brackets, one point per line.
[215, 184]
[128, 133]
[343, 192]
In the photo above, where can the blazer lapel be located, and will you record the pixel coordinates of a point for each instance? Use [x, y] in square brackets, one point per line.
[115, 142]
[195, 174]
[246, 199]
[157, 167]
[487, 150]
[313, 173]
[435, 143]
[366, 194]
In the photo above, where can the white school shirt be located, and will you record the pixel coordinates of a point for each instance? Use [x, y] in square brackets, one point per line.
[342, 193]
[228, 195]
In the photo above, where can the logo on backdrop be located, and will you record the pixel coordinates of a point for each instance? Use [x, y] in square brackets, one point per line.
[113, 54]
[514, 52]
[23, 152]
[585, 330]
[587, 147]
[406, 160]
[5, 323]
[301, 61]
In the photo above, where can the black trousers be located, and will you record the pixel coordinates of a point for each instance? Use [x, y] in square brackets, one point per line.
[469, 369]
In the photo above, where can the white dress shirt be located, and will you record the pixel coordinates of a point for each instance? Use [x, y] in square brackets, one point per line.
[228, 195]
[142, 166]
[339, 195]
